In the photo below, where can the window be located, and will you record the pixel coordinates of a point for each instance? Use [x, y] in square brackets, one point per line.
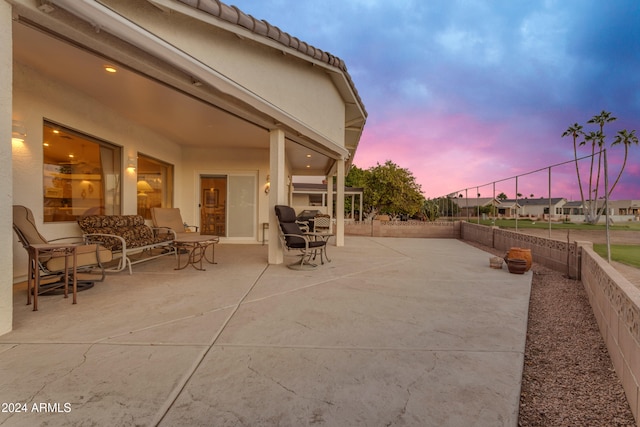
[315, 200]
[155, 185]
[81, 175]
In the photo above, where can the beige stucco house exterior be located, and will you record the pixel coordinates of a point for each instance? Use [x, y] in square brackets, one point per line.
[200, 86]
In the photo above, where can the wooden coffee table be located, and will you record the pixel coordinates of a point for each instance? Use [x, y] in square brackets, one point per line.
[196, 247]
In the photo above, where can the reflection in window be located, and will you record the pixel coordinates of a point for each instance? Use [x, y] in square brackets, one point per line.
[155, 185]
[81, 175]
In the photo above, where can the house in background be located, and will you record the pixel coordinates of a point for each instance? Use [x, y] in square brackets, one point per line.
[316, 196]
[573, 208]
[625, 207]
[118, 106]
[619, 210]
[468, 207]
[538, 208]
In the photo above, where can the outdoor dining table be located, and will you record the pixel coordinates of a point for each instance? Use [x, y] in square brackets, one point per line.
[196, 247]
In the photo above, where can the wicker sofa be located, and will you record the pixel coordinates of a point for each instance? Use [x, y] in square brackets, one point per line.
[125, 236]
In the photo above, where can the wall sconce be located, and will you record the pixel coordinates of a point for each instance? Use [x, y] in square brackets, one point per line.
[267, 186]
[18, 132]
[131, 164]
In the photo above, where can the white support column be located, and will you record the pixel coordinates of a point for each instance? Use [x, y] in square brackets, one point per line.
[340, 203]
[278, 193]
[329, 196]
[353, 207]
[6, 176]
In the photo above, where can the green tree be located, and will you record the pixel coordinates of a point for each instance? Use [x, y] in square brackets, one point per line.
[447, 206]
[502, 197]
[392, 190]
[356, 177]
[430, 209]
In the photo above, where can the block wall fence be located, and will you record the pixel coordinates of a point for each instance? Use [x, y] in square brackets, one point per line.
[614, 300]
[375, 228]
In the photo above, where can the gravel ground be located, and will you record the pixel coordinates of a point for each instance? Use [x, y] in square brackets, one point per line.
[568, 377]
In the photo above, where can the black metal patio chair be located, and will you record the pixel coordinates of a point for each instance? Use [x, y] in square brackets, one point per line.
[294, 239]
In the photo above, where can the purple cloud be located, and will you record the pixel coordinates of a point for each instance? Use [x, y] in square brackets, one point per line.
[463, 94]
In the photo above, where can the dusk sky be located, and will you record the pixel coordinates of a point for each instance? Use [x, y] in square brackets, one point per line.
[463, 93]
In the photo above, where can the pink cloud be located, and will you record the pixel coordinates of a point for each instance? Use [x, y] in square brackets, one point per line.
[451, 152]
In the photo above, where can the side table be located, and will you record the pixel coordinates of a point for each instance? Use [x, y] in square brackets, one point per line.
[196, 245]
[40, 249]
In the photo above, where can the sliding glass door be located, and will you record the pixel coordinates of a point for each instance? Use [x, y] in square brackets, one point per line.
[228, 205]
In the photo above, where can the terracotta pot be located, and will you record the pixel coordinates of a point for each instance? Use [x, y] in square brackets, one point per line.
[517, 266]
[520, 253]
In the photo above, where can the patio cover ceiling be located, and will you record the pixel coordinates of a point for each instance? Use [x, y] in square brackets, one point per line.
[155, 95]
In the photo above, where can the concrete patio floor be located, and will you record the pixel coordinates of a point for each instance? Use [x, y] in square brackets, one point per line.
[392, 332]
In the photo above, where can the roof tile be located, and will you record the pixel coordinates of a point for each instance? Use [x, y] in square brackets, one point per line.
[209, 6]
[235, 16]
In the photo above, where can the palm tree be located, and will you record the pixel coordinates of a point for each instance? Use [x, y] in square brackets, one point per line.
[601, 119]
[575, 131]
[626, 138]
[591, 137]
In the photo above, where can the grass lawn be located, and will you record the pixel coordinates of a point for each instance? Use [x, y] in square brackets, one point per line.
[626, 254]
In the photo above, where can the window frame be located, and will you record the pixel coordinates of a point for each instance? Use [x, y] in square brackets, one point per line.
[70, 186]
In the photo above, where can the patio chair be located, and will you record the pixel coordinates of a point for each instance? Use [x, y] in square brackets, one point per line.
[293, 239]
[170, 218]
[322, 223]
[90, 257]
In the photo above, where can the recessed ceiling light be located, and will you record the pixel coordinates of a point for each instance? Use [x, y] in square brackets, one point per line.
[110, 69]
[56, 131]
[308, 166]
[308, 155]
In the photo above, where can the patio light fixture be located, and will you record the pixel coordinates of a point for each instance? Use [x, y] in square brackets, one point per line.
[18, 132]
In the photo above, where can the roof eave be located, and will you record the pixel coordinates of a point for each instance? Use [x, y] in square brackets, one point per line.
[233, 20]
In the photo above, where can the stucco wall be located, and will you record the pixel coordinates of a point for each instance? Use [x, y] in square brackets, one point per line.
[196, 162]
[36, 99]
[6, 233]
[287, 81]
